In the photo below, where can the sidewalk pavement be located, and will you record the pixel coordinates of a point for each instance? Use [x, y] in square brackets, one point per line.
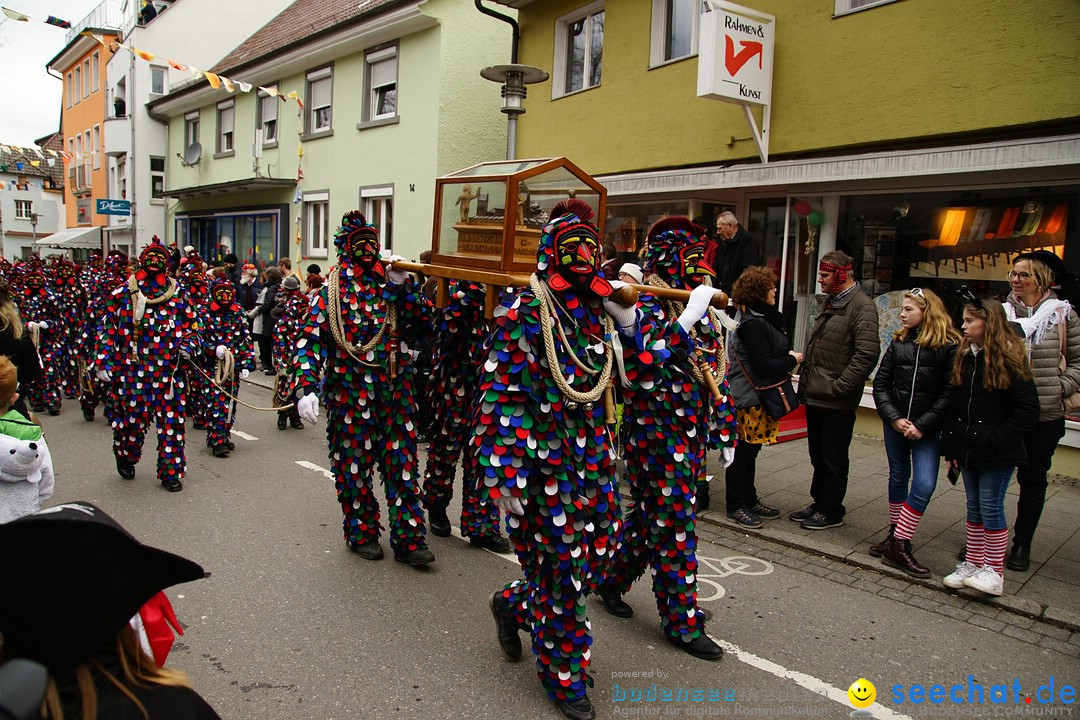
[1049, 590]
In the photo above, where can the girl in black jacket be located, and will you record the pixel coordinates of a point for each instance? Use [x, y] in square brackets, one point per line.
[994, 406]
[912, 392]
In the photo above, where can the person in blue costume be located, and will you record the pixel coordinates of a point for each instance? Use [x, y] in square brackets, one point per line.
[352, 341]
[541, 434]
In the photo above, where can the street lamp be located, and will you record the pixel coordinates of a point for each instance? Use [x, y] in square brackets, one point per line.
[514, 78]
[33, 224]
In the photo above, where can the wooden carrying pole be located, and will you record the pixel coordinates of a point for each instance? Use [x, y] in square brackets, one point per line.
[500, 279]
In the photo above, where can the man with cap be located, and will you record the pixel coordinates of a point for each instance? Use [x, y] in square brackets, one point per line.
[291, 311]
[544, 446]
[148, 328]
[351, 347]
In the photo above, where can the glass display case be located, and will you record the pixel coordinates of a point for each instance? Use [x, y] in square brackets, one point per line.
[489, 216]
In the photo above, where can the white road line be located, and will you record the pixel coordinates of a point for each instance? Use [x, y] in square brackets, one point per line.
[243, 435]
[313, 466]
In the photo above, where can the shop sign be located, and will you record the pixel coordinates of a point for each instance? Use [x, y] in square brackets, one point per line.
[113, 207]
[735, 59]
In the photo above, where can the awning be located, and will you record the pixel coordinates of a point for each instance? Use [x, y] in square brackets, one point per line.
[83, 237]
[232, 186]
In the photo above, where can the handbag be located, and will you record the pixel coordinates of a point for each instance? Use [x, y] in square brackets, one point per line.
[1072, 402]
[778, 399]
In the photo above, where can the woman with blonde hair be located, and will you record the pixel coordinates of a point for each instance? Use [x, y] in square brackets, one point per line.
[912, 392]
[15, 342]
[993, 407]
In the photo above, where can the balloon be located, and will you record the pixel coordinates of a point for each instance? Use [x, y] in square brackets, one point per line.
[815, 218]
[802, 208]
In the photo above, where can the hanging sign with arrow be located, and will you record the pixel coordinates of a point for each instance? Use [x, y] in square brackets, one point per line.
[735, 54]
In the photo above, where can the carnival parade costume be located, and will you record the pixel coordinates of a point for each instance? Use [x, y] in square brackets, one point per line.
[545, 452]
[149, 326]
[193, 282]
[460, 336]
[293, 306]
[227, 355]
[668, 430]
[93, 392]
[39, 311]
[353, 338]
[71, 304]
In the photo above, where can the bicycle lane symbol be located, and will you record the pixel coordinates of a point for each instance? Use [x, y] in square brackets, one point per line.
[709, 568]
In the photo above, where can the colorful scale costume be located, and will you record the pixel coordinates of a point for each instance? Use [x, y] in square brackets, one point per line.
[294, 313]
[71, 304]
[148, 327]
[194, 283]
[668, 429]
[224, 325]
[451, 391]
[113, 275]
[353, 341]
[37, 304]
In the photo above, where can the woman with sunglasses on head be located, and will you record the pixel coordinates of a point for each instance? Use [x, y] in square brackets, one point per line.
[993, 406]
[912, 392]
[1043, 319]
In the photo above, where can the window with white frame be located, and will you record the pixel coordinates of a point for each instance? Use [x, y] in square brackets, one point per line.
[24, 209]
[226, 113]
[317, 223]
[121, 177]
[191, 129]
[157, 79]
[674, 30]
[579, 47]
[78, 85]
[95, 72]
[70, 89]
[844, 7]
[381, 72]
[377, 204]
[71, 161]
[88, 158]
[97, 147]
[320, 91]
[86, 78]
[157, 176]
[268, 114]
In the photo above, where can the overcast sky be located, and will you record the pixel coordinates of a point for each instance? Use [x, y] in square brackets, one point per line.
[31, 106]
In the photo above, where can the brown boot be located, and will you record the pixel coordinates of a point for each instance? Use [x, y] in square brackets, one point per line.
[898, 555]
[878, 548]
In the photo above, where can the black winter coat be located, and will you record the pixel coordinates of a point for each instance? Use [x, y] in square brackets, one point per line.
[913, 383]
[760, 347]
[986, 428]
[24, 357]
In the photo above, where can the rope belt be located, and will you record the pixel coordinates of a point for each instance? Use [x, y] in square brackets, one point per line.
[219, 378]
[333, 302]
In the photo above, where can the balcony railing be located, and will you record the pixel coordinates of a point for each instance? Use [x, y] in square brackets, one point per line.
[109, 14]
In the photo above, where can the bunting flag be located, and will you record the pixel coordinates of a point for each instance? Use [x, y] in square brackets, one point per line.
[227, 83]
[147, 56]
[177, 66]
[52, 20]
[244, 87]
[214, 80]
[15, 15]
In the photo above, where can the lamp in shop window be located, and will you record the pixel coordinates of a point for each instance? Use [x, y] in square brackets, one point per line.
[903, 209]
[1032, 206]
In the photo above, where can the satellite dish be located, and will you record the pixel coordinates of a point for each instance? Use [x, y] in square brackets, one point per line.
[193, 153]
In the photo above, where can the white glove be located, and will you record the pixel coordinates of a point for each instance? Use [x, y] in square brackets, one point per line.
[244, 373]
[728, 455]
[700, 297]
[308, 407]
[626, 318]
[32, 325]
[103, 376]
[220, 352]
[43, 325]
[510, 504]
[397, 277]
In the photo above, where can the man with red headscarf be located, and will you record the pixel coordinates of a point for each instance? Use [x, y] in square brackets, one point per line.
[841, 352]
[148, 327]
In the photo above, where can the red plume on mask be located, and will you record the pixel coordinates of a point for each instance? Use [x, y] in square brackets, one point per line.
[572, 205]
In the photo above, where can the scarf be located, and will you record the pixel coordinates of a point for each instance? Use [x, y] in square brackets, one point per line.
[1051, 312]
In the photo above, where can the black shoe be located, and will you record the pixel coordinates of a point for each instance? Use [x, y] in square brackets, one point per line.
[820, 521]
[54, 410]
[125, 469]
[1020, 557]
[962, 555]
[764, 511]
[700, 647]
[230, 444]
[198, 425]
[282, 421]
[494, 543]
[419, 556]
[172, 485]
[614, 603]
[438, 521]
[506, 630]
[702, 500]
[88, 415]
[744, 517]
[580, 709]
[371, 550]
[221, 451]
[38, 408]
[296, 423]
[269, 371]
[800, 515]
[878, 548]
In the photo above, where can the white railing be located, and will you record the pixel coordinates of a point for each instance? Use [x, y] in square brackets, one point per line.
[109, 14]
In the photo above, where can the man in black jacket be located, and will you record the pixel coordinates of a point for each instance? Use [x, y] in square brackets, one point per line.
[735, 251]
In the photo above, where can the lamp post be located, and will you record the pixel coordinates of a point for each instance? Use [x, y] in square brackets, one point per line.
[514, 78]
[33, 224]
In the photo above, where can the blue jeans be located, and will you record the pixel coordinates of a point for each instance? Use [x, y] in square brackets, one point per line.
[903, 454]
[985, 488]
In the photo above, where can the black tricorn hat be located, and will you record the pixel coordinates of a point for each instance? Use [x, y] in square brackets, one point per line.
[73, 577]
[1051, 260]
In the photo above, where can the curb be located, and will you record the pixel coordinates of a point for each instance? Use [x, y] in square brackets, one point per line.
[1023, 607]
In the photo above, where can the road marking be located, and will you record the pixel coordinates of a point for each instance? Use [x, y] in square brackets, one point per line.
[313, 466]
[721, 568]
[243, 435]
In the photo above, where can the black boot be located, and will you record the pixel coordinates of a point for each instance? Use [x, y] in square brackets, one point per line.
[506, 630]
[878, 548]
[282, 420]
[419, 556]
[702, 496]
[580, 709]
[494, 543]
[172, 485]
[294, 420]
[88, 414]
[614, 603]
[700, 647]
[125, 469]
[371, 550]
[1019, 559]
[438, 521]
[898, 555]
[221, 451]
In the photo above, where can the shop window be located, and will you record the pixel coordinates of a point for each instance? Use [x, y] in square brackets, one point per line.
[268, 114]
[381, 70]
[674, 30]
[320, 92]
[24, 209]
[378, 207]
[317, 223]
[846, 7]
[579, 46]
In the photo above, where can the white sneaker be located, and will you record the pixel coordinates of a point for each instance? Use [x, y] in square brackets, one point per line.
[963, 571]
[987, 580]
